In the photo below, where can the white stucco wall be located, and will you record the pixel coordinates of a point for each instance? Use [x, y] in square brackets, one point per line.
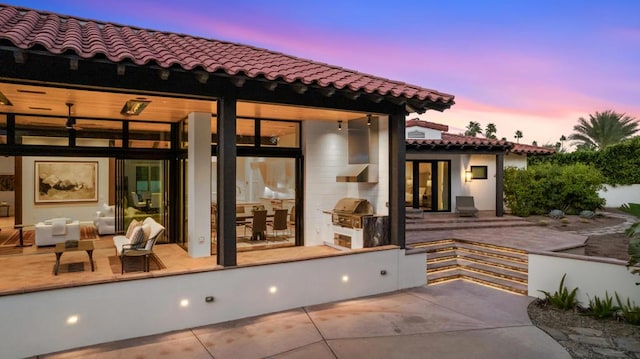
[325, 152]
[84, 212]
[483, 190]
[619, 195]
[592, 277]
[515, 160]
[132, 308]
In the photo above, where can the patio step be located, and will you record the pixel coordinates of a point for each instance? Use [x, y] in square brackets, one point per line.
[488, 264]
[417, 226]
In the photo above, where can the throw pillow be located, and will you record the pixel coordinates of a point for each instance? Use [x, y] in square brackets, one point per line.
[137, 237]
[146, 228]
[134, 223]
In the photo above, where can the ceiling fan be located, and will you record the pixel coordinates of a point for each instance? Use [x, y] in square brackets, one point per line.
[71, 121]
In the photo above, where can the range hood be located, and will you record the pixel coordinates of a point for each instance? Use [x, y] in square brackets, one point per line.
[362, 137]
[354, 173]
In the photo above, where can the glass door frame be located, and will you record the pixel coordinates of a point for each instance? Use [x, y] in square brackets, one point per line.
[415, 199]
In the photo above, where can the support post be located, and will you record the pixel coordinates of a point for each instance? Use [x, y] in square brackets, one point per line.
[500, 185]
[397, 178]
[226, 190]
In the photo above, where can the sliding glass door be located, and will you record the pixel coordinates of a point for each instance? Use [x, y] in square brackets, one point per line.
[142, 191]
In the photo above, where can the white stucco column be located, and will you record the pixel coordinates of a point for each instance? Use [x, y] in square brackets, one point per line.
[199, 184]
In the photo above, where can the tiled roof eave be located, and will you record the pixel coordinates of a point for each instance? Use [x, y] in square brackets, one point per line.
[28, 29]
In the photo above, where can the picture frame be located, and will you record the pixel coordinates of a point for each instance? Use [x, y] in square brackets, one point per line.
[65, 181]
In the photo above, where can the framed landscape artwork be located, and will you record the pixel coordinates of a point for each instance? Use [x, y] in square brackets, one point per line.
[66, 181]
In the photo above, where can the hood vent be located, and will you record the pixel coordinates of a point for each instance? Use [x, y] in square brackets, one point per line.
[362, 137]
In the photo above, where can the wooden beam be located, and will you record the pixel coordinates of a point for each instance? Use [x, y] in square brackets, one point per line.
[164, 74]
[20, 57]
[299, 88]
[327, 91]
[271, 86]
[351, 95]
[375, 97]
[73, 63]
[237, 81]
[202, 77]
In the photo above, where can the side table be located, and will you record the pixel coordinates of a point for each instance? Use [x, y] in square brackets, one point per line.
[4, 210]
[20, 227]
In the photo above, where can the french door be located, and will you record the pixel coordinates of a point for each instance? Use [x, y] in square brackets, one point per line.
[428, 185]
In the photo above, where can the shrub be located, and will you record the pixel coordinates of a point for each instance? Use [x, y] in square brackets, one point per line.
[543, 222]
[543, 187]
[562, 298]
[620, 162]
[629, 310]
[602, 308]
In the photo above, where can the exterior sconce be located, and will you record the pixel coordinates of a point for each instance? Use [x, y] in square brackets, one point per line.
[369, 120]
[339, 125]
[468, 176]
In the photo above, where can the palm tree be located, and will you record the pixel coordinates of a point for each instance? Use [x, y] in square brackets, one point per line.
[518, 136]
[490, 131]
[473, 128]
[562, 139]
[603, 129]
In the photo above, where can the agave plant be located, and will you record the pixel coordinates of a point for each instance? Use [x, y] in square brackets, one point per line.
[562, 298]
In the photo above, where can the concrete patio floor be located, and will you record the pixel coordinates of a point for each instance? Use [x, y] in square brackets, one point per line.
[451, 320]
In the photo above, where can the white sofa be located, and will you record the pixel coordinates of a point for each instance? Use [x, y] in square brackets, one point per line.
[105, 220]
[56, 230]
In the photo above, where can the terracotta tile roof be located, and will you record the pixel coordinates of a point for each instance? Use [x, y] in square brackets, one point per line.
[427, 124]
[532, 150]
[459, 142]
[60, 34]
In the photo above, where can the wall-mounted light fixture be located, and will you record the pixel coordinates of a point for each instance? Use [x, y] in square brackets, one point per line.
[468, 176]
[134, 107]
[369, 120]
[339, 125]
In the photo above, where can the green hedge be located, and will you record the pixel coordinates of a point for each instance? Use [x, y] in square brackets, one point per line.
[546, 186]
[620, 163]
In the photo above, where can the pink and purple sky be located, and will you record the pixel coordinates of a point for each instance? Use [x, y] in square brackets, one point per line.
[534, 66]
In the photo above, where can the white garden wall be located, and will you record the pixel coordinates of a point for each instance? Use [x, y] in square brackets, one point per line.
[619, 195]
[591, 275]
[126, 309]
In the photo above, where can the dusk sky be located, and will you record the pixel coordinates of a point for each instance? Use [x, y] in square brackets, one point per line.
[534, 66]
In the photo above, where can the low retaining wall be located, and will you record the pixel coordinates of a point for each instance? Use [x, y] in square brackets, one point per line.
[619, 195]
[38, 323]
[591, 275]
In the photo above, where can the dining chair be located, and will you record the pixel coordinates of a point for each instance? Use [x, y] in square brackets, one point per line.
[258, 225]
[280, 222]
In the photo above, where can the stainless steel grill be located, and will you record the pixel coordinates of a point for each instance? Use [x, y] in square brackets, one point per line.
[348, 212]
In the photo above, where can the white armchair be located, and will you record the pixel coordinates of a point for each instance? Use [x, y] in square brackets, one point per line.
[56, 230]
[105, 220]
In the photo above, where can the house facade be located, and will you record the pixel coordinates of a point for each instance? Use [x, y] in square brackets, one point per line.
[441, 165]
[196, 133]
